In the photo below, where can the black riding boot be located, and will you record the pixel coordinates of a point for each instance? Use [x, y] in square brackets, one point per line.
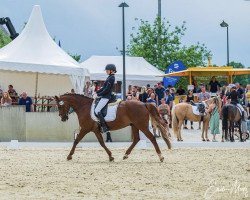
[243, 116]
[104, 128]
[108, 139]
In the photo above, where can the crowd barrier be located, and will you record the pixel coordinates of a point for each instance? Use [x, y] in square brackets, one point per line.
[16, 124]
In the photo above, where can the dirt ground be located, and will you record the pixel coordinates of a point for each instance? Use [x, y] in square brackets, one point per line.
[44, 173]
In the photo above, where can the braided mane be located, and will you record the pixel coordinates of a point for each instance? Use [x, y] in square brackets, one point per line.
[79, 95]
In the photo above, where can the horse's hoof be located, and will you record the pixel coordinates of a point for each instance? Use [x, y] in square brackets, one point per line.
[222, 140]
[208, 140]
[69, 157]
[162, 159]
[203, 140]
[111, 159]
[125, 157]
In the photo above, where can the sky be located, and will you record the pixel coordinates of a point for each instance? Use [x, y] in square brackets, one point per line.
[94, 27]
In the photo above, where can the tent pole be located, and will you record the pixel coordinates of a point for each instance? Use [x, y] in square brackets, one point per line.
[190, 78]
[36, 86]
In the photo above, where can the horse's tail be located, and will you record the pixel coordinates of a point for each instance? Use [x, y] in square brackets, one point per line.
[158, 121]
[224, 118]
[175, 122]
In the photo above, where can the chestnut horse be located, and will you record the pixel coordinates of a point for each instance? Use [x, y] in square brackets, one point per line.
[129, 113]
[183, 111]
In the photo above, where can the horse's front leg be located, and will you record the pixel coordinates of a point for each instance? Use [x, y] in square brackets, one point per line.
[101, 141]
[179, 138]
[136, 139]
[202, 131]
[77, 140]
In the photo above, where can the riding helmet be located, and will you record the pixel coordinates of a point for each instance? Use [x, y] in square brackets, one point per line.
[111, 67]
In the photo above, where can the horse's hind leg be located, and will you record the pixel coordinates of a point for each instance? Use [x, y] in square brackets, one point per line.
[136, 139]
[150, 136]
[101, 141]
[77, 140]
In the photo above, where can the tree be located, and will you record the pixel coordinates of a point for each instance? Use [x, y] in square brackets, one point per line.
[161, 45]
[4, 39]
[77, 57]
[243, 79]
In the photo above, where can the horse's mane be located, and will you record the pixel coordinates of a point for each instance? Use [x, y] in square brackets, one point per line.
[78, 95]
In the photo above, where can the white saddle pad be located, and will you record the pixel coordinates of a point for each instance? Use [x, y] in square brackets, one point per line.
[111, 112]
[195, 110]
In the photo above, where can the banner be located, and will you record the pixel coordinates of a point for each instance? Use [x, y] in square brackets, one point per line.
[174, 67]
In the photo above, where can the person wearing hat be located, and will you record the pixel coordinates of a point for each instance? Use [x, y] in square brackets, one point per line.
[105, 94]
[234, 96]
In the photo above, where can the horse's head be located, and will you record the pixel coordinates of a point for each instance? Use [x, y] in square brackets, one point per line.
[63, 108]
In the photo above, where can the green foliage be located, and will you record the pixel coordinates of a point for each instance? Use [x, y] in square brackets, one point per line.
[243, 79]
[4, 39]
[160, 45]
[77, 57]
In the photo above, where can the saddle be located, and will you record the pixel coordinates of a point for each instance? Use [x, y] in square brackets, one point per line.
[198, 108]
[104, 110]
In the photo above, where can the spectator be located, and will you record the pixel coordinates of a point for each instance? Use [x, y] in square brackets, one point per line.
[143, 95]
[194, 83]
[180, 91]
[239, 90]
[214, 85]
[6, 100]
[135, 93]
[88, 89]
[148, 86]
[169, 101]
[13, 94]
[129, 92]
[160, 93]
[190, 97]
[164, 111]
[151, 99]
[72, 91]
[27, 101]
[247, 99]
[172, 91]
[203, 95]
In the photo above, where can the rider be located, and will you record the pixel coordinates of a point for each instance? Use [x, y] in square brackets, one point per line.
[105, 94]
[234, 96]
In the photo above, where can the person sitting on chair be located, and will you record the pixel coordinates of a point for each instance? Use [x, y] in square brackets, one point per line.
[105, 94]
[234, 96]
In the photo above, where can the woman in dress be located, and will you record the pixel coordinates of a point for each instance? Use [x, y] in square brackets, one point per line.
[214, 110]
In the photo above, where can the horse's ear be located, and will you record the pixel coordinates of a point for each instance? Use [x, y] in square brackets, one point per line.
[57, 98]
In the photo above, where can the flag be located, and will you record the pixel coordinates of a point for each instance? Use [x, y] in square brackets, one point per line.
[174, 67]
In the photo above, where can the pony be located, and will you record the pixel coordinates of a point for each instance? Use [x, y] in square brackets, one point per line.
[129, 113]
[231, 114]
[183, 111]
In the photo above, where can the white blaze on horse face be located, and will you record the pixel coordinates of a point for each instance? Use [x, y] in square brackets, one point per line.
[61, 103]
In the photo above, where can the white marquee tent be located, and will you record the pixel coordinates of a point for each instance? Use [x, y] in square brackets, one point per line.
[138, 71]
[33, 62]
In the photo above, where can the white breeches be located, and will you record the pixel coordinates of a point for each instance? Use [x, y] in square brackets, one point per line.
[100, 105]
[240, 106]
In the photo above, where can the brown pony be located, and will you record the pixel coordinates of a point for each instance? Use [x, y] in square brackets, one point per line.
[231, 114]
[183, 111]
[129, 113]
